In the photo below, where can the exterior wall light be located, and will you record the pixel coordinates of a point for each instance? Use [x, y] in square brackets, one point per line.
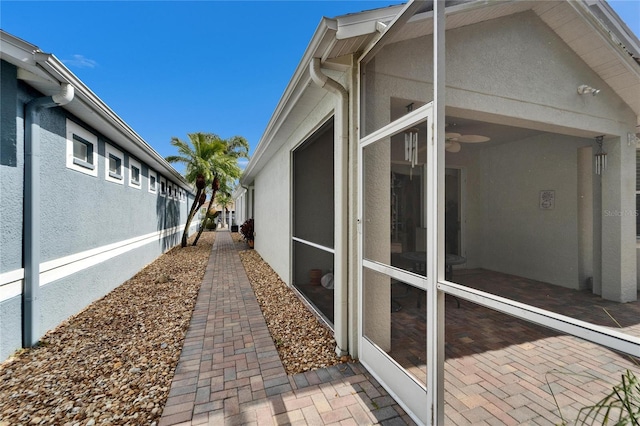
[585, 90]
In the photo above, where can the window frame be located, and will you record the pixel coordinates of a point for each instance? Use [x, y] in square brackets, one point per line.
[135, 164]
[77, 133]
[153, 188]
[109, 152]
[163, 186]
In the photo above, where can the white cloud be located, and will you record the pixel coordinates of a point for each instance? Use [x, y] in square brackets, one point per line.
[79, 61]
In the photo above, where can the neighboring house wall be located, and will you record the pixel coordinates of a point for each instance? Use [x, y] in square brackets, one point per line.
[95, 233]
[11, 173]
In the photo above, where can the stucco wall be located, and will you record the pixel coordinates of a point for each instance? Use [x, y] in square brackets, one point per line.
[516, 71]
[80, 216]
[515, 67]
[507, 230]
[11, 174]
[273, 194]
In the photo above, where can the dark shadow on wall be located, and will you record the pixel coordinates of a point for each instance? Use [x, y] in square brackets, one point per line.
[168, 216]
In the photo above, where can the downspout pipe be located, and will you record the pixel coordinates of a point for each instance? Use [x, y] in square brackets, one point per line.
[31, 248]
[340, 165]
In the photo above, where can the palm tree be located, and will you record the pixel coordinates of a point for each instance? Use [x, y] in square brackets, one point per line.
[211, 157]
[196, 155]
[224, 199]
[224, 189]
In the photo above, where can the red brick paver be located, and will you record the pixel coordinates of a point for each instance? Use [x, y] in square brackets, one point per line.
[230, 373]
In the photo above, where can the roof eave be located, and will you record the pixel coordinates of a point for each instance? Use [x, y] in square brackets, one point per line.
[46, 73]
[323, 35]
[324, 38]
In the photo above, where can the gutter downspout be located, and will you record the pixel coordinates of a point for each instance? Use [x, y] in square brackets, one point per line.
[341, 145]
[31, 248]
[245, 207]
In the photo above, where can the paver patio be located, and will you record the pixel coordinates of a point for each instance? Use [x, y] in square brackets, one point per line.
[230, 373]
[496, 371]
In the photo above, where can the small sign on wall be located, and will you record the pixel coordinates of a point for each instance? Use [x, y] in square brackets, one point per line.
[547, 199]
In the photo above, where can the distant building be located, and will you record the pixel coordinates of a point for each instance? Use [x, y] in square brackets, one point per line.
[85, 202]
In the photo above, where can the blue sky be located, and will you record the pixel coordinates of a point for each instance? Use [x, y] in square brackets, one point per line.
[169, 68]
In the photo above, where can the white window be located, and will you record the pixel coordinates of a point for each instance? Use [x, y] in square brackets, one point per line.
[82, 149]
[153, 182]
[114, 165]
[134, 173]
[163, 187]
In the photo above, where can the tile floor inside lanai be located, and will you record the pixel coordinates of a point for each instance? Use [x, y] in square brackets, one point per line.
[496, 370]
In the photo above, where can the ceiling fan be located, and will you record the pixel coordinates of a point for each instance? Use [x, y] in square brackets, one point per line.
[452, 140]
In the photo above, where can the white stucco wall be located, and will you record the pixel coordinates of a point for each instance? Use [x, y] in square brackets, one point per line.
[507, 230]
[516, 71]
[273, 193]
[514, 67]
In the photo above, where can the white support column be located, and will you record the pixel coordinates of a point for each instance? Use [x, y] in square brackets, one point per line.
[435, 226]
[353, 271]
[619, 281]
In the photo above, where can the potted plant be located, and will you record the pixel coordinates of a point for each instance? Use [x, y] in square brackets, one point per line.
[246, 229]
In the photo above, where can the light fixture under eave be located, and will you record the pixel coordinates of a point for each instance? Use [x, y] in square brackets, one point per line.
[601, 156]
[585, 89]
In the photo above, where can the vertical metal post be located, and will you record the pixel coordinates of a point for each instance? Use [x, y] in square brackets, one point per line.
[437, 214]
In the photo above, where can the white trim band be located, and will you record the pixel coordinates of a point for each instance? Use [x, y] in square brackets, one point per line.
[11, 282]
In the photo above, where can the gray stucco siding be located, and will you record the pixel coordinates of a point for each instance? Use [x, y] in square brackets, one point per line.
[80, 215]
[8, 136]
[10, 326]
[11, 177]
[80, 212]
[66, 297]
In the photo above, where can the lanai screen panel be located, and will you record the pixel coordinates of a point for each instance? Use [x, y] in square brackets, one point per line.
[313, 219]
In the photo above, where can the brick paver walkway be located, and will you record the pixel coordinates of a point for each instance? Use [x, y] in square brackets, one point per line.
[229, 371]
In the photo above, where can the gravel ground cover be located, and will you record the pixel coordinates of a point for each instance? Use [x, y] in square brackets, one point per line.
[302, 341]
[113, 362]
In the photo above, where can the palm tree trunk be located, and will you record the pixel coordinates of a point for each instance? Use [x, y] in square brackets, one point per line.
[185, 233]
[205, 219]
